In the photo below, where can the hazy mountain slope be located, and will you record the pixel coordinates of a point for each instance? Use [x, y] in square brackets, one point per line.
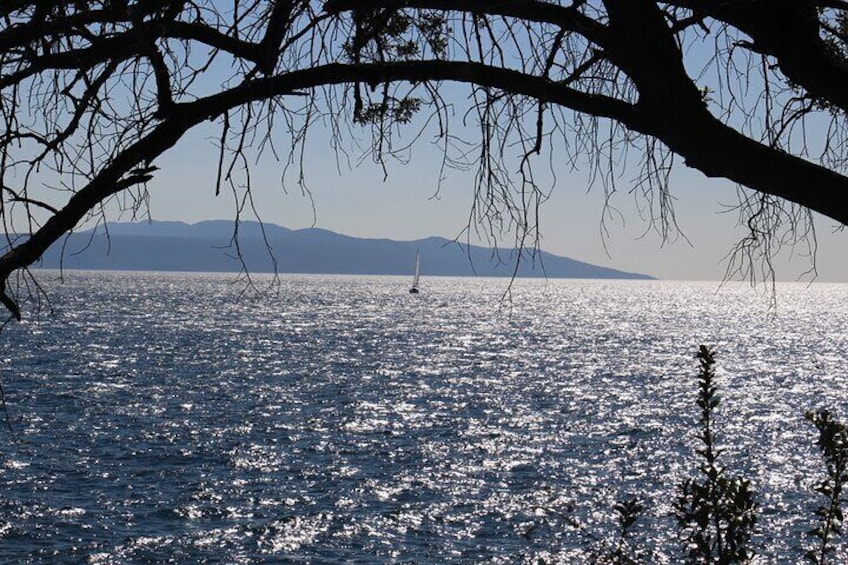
[207, 246]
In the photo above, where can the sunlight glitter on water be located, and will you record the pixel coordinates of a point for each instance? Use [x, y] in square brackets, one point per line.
[344, 420]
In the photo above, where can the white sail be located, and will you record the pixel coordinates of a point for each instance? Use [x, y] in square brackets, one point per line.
[417, 272]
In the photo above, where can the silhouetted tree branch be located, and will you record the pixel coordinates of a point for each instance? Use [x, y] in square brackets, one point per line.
[92, 93]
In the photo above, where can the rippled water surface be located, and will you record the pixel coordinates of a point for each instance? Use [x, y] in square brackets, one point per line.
[158, 418]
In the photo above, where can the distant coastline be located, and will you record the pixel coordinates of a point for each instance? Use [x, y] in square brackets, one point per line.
[208, 247]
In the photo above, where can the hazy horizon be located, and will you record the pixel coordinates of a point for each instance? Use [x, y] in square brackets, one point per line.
[410, 201]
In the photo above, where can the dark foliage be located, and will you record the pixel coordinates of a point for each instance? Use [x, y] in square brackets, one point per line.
[716, 513]
[833, 444]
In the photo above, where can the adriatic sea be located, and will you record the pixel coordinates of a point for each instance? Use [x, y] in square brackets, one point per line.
[185, 418]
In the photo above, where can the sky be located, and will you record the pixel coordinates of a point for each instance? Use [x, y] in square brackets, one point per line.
[406, 205]
[410, 203]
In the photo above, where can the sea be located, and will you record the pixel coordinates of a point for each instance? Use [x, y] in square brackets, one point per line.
[206, 418]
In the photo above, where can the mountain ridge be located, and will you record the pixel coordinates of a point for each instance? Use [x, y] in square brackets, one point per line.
[207, 246]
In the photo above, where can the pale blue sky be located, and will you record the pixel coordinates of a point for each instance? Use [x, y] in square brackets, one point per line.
[360, 203]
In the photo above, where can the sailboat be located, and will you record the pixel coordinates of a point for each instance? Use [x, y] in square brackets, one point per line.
[414, 288]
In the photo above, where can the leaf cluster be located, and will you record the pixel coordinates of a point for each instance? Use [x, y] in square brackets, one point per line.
[833, 445]
[627, 512]
[397, 110]
[386, 35]
[390, 34]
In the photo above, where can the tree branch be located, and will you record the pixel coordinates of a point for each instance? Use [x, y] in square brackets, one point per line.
[569, 18]
[787, 30]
